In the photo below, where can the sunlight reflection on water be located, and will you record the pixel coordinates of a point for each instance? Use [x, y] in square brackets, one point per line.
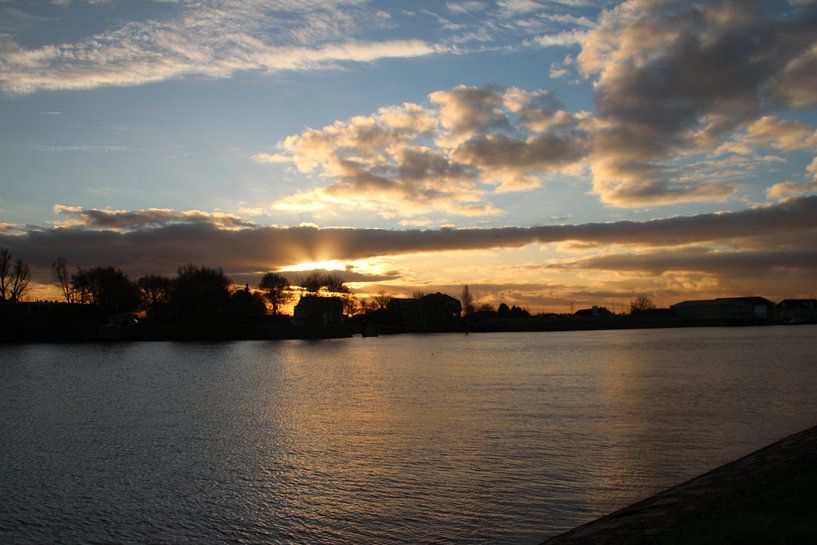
[491, 438]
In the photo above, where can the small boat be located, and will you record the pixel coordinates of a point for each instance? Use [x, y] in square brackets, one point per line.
[794, 320]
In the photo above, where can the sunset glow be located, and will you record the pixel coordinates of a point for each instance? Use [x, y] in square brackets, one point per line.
[546, 153]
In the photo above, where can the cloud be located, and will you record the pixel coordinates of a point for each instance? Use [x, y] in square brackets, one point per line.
[561, 39]
[467, 6]
[11, 229]
[753, 263]
[377, 164]
[789, 189]
[75, 149]
[466, 110]
[214, 39]
[518, 6]
[782, 135]
[669, 121]
[675, 78]
[697, 272]
[442, 157]
[557, 71]
[271, 158]
[139, 247]
[569, 19]
[518, 163]
[221, 38]
[105, 218]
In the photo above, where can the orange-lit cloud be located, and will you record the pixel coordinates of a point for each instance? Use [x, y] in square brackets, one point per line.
[145, 247]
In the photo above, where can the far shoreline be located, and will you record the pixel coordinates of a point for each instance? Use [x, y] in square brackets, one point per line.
[221, 332]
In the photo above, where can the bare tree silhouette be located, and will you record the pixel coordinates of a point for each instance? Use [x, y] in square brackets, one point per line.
[315, 281]
[15, 278]
[350, 304]
[155, 292]
[60, 269]
[640, 304]
[334, 283]
[312, 282]
[276, 290]
[20, 280]
[5, 265]
[382, 299]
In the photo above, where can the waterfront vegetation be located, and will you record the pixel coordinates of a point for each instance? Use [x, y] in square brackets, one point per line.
[203, 302]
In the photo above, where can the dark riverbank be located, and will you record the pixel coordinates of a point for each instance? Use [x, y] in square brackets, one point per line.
[767, 497]
[92, 331]
[87, 323]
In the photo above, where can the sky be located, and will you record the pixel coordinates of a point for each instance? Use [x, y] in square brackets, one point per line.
[549, 153]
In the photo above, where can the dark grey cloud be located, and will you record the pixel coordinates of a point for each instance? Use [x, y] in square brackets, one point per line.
[541, 152]
[751, 263]
[151, 217]
[773, 273]
[468, 109]
[677, 77]
[258, 249]
[423, 164]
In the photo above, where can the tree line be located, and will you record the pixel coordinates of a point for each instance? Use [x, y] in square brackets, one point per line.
[195, 291]
[199, 291]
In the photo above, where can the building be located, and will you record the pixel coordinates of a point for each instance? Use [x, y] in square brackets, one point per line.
[406, 311]
[50, 321]
[796, 311]
[313, 310]
[440, 309]
[594, 312]
[730, 309]
[434, 309]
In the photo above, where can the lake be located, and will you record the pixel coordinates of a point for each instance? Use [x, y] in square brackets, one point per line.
[486, 438]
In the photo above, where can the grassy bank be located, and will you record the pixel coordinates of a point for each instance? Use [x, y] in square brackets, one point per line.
[766, 498]
[776, 509]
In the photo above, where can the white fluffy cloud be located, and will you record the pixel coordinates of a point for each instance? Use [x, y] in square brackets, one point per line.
[445, 156]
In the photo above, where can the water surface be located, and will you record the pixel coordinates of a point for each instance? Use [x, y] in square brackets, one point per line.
[489, 438]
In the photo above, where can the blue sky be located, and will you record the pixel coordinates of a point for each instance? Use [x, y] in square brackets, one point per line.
[127, 116]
